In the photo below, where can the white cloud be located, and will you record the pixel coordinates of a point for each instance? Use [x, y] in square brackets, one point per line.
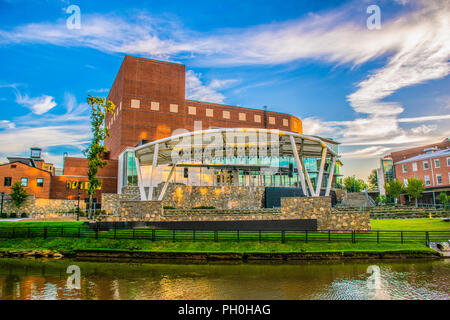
[38, 105]
[424, 129]
[7, 124]
[196, 90]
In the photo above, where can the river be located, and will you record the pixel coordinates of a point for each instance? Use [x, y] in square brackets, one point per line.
[35, 279]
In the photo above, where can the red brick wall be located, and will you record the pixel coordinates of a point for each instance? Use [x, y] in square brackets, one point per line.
[75, 170]
[155, 81]
[432, 171]
[23, 171]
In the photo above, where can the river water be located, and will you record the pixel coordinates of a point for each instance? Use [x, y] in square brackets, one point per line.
[398, 279]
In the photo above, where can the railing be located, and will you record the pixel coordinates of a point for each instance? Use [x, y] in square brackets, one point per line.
[352, 236]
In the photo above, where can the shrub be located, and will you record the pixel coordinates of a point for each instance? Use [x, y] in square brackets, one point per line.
[23, 215]
[4, 215]
[13, 215]
[381, 200]
[18, 194]
[204, 207]
[169, 207]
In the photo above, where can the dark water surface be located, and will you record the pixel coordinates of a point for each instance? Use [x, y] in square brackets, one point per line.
[38, 279]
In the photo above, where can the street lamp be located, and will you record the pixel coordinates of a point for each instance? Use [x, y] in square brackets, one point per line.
[78, 211]
[1, 208]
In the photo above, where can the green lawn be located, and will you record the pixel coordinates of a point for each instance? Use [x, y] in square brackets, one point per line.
[70, 244]
[410, 224]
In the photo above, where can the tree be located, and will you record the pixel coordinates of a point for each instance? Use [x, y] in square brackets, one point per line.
[394, 188]
[444, 199]
[18, 195]
[415, 188]
[373, 180]
[351, 184]
[96, 149]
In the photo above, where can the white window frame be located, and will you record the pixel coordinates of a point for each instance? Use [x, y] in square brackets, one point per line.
[427, 180]
[154, 105]
[173, 108]
[258, 118]
[192, 110]
[404, 168]
[414, 166]
[135, 103]
[272, 120]
[209, 113]
[448, 162]
[405, 182]
[226, 114]
[439, 163]
[437, 180]
[242, 116]
[423, 164]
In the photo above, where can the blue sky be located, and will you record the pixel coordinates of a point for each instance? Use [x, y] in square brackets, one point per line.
[373, 90]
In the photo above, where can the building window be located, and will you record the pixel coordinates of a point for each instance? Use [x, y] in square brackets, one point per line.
[154, 106]
[414, 166]
[24, 182]
[404, 168]
[192, 110]
[13, 166]
[425, 165]
[448, 162]
[226, 114]
[285, 122]
[7, 182]
[427, 180]
[257, 118]
[437, 163]
[405, 182]
[209, 112]
[173, 108]
[136, 104]
[439, 179]
[271, 120]
[40, 182]
[242, 116]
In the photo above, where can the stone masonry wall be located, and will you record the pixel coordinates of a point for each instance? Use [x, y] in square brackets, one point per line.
[327, 219]
[220, 197]
[32, 207]
[291, 208]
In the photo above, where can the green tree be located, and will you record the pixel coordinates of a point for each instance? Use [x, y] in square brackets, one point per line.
[394, 188]
[96, 149]
[18, 194]
[373, 180]
[415, 188]
[444, 199]
[351, 184]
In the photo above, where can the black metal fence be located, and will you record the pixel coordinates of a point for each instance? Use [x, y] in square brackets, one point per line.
[152, 234]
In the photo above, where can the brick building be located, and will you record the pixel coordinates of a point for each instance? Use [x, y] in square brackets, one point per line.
[150, 104]
[41, 181]
[429, 163]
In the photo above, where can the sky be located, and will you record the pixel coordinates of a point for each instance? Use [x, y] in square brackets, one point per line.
[375, 90]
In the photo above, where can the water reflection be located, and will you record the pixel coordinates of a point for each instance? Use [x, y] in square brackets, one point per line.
[36, 279]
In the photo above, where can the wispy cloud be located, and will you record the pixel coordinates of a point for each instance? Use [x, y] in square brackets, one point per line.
[38, 105]
[196, 90]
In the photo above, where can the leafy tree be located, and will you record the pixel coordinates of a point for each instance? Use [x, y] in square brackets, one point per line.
[351, 184]
[415, 188]
[444, 199]
[394, 188]
[96, 148]
[373, 180]
[381, 200]
[18, 194]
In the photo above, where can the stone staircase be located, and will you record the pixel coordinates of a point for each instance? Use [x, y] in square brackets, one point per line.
[356, 200]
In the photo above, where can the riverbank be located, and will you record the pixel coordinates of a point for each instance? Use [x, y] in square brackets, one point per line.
[205, 250]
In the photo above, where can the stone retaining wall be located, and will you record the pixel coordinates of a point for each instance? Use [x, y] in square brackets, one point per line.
[291, 208]
[43, 207]
[327, 219]
[220, 197]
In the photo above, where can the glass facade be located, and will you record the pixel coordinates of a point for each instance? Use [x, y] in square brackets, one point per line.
[129, 170]
[276, 171]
